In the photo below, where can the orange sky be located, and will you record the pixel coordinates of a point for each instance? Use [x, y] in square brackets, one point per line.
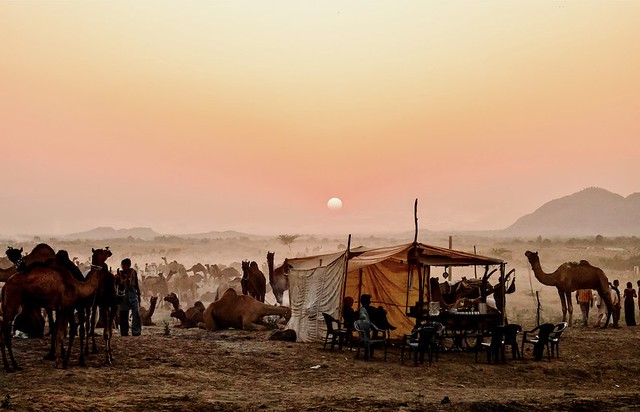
[197, 116]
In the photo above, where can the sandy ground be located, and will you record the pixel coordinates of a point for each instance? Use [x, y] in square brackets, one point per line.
[238, 370]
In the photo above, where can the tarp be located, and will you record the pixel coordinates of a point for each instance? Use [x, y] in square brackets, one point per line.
[316, 284]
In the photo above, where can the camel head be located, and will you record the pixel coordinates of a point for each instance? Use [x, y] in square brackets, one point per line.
[100, 256]
[245, 269]
[14, 255]
[254, 265]
[199, 305]
[532, 256]
[173, 299]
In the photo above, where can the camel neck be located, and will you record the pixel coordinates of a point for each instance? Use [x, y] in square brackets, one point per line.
[544, 278]
[270, 265]
[90, 285]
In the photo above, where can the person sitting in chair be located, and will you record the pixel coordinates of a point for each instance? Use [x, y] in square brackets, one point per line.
[377, 316]
[348, 314]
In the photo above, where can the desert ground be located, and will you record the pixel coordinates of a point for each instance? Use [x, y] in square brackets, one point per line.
[241, 370]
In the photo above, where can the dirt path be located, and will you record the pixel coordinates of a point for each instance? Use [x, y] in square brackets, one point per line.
[231, 370]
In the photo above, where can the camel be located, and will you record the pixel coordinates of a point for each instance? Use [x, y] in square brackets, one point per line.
[189, 319]
[253, 281]
[145, 315]
[198, 268]
[278, 278]
[53, 289]
[41, 253]
[240, 312]
[571, 276]
[154, 285]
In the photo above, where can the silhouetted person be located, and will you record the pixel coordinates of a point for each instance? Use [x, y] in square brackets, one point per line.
[629, 307]
[129, 299]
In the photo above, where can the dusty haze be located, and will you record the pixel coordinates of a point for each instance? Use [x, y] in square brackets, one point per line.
[200, 116]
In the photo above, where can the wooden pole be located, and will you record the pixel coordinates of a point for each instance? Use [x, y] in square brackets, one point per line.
[475, 268]
[415, 217]
[346, 271]
[450, 267]
[359, 287]
[503, 291]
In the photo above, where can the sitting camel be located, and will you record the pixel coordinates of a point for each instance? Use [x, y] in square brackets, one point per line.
[189, 319]
[240, 312]
[145, 315]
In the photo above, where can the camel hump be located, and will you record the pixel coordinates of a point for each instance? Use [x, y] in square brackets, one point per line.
[585, 263]
[63, 260]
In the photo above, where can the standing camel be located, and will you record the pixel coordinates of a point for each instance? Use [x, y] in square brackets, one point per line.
[53, 289]
[41, 253]
[571, 276]
[253, 281]
[279, 277]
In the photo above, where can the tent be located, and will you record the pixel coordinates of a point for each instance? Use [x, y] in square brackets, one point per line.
[396, 278]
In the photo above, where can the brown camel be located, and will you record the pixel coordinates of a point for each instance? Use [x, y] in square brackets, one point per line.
[41, 253]
[253, 281]
[240, 312]
[571, 276]
[278, 278]
[198, 268]
[53, 289]
[154, 285]
[189, 319]
[145, 315]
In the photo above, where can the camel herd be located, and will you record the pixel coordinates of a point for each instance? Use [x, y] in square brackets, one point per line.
[44, 279]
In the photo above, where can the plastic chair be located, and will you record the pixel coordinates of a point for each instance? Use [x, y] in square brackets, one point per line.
[422, 340]
[511, 332]
[495, 347]
[554, 338]
[335, 334]
[365, 330]
[539, 338]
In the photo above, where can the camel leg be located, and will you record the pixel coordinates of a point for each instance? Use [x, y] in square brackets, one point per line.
[83, 337]
[570, 307]
[52, 335]
[73, 331]
[563, 302]
[92, 328]
[107, 333]
[6, 331]
[61, 325]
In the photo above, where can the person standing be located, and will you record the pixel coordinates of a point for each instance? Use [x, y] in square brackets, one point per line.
[584, 298]
[129, 299]
[629, 307]
[615, 299]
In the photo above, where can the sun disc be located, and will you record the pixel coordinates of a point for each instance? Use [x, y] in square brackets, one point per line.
[334, 203]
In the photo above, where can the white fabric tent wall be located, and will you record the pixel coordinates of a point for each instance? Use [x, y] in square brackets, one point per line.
[315, 287]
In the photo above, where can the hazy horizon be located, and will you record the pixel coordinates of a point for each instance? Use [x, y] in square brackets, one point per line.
[249, 116]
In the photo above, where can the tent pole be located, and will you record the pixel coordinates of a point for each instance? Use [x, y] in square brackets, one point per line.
[421, 296]
[427, 273]
[359, 287]
[346, 270]
[504, 294]
[415, 218]
[450, 267]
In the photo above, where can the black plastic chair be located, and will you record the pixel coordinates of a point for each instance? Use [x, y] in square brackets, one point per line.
[511, 332]
[539, 338]
[335, 334]
[554, 338]
[495, 347]
[366, 330]
[422, 340]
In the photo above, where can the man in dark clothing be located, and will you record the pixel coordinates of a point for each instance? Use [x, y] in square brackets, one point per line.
[129, 299]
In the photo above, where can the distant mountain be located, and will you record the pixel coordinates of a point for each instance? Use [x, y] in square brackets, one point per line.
[100, 233]
[227, 234]
[590, 212]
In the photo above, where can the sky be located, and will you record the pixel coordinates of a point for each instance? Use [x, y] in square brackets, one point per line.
[190, 116]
